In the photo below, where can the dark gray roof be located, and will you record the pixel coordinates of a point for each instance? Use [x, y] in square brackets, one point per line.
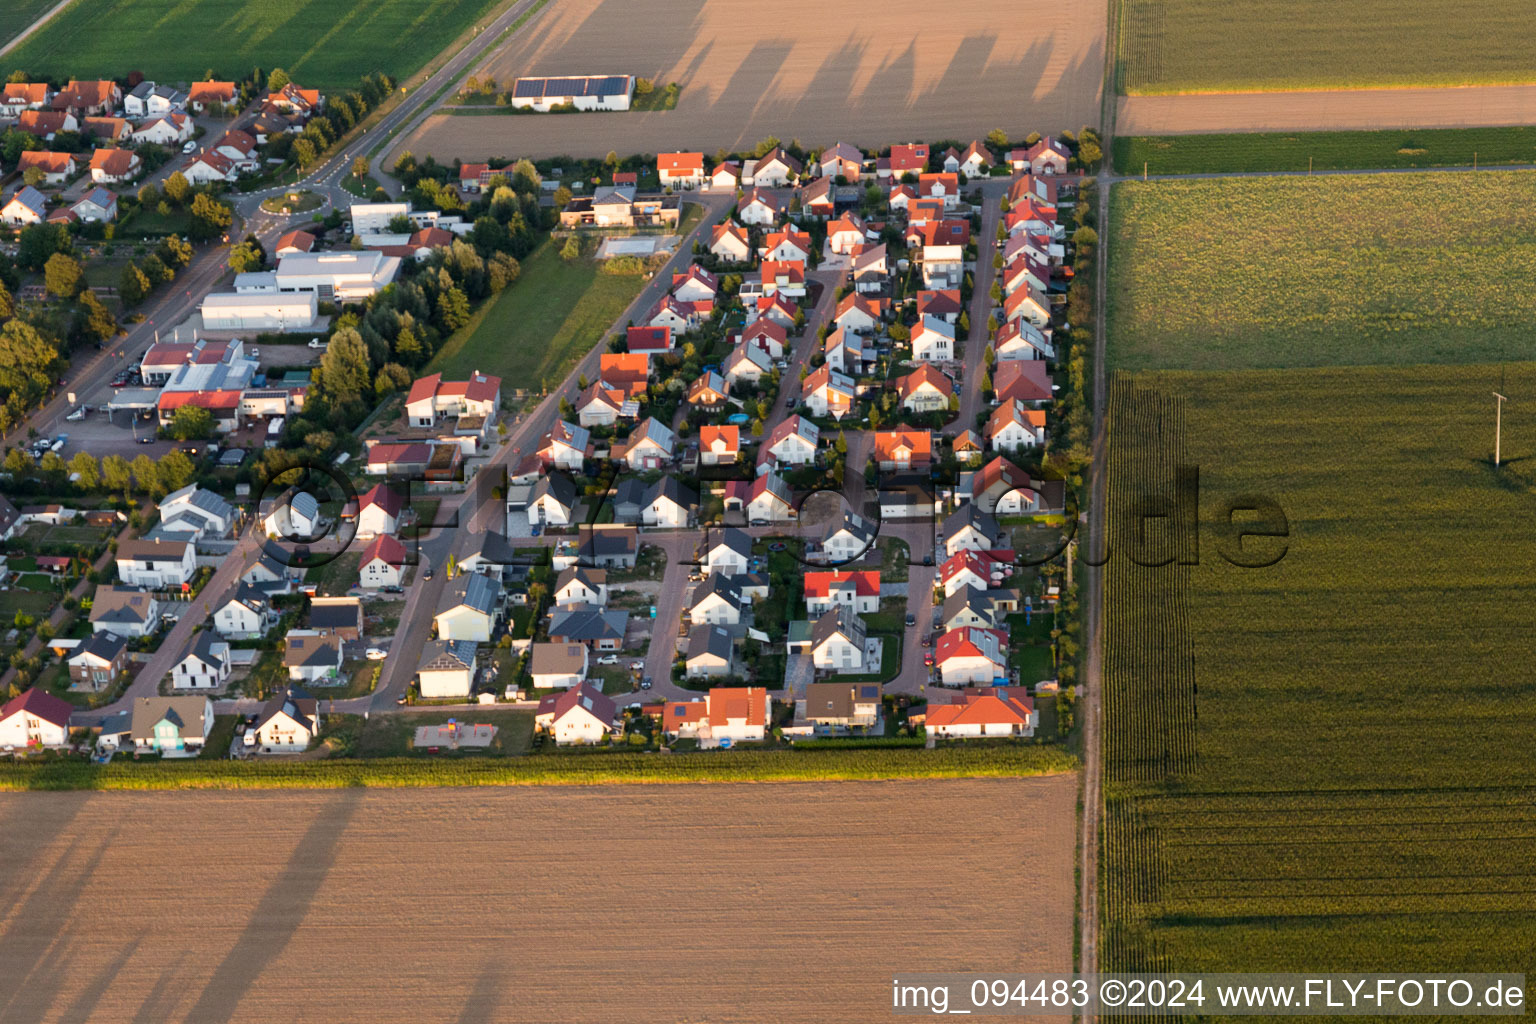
[969, 515]
[296, 703]
[739, 541]
[709, 640]
[557, 486]
[583, 624]
[717, 583]
[838, 620]
[669, 487]
[341, 615]
[448, 655]
[631, 491]
[493, 547]
[203, 649]
[608, 542]
[105, 646]
[862, 530]
[471, 590]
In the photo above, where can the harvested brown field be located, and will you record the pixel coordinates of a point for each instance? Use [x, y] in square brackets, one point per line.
[868, 73]
[672, 903]
[1479, 106]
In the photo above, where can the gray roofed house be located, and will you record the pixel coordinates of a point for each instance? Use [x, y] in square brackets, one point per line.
[668, 503]
[717, 601]
[288, 721]
[116, 729]
[340, 615]
[609, 547]
[471, 591]
[490, 553]
[469, 608]
[629, 500]
[968, 606]
[709, 651]
[199, 508]
[448, 655]
[968, 527]
[126, 611]
[171, 725]
[599, 629]
[313, 657]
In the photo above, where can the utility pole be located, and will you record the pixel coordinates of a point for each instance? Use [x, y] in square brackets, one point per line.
[1498, 425]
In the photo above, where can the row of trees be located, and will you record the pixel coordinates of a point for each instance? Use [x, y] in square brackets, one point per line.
[84, 473]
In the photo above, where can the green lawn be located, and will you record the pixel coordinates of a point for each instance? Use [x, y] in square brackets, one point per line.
[538, 328]
[1324, 271]
[1171, 46]
[326, 44]
[34, 603]
[149, 222]
[661, 97]
[336, 577]
[1324, 151]
[1344, 785]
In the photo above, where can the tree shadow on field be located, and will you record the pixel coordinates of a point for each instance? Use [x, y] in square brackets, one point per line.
[279, 914]
[36, 925]
[484, 999]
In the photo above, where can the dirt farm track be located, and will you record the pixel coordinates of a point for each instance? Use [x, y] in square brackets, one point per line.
[864, 72]
[657, 903]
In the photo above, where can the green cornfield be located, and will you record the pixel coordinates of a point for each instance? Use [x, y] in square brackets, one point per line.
[1175, 46]
[325, 44]
[1359, 792]
[550, 769]
[1256, 152]
[1323, 271]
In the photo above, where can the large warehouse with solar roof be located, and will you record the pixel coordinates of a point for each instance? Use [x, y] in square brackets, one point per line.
[586, 92]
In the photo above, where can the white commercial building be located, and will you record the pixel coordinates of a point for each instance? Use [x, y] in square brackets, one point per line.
[260, 311]
[330, 275]
[584, 92]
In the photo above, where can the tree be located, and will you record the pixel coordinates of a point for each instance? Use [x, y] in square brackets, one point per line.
[146, 474]
[33, 176]
[276, 79]
[1085, 238]
[209, 217]
[7, 304]
[345, 371]
[175, 251]
[155, 269]
[391, 377]
[177, 188]
[452, 310]
[244, 257]
[191, 423]
[132, 285]
[997, 139]
[83, 465]
[562, 197]
[571, 250]
[149, 195]
[175, 470]
[97, 321]
[841, 444]
[360, 168]
[29, 361]
[502, 271]
[116, 474]
[1088, 153]
[40, 241]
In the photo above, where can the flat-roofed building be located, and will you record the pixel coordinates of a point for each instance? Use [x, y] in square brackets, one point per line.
[257, 311]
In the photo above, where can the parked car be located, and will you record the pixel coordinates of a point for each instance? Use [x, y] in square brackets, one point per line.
[645, 684]
[427, 575]
[190, 147]
[608, 659]
[911, 620]
[636, 665]
[375, 654]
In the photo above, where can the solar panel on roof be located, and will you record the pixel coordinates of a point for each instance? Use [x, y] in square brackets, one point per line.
[613, 85]
[529, 88]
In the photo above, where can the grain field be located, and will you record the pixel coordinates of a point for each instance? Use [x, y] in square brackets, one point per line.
[669, 903]
[867, 73]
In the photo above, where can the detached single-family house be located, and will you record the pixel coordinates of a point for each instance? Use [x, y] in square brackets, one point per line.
[579, 585]
[870, 269]
[719, 446]
[668, 504]
[971, 655]
[837, 641]
[125, 611]
[708, 392]
[984, 711]
[204, 667]
[975, 160]
[717, 601]
[856, 313]
[378, 511]
[680, 170]
[1022, 380]
[709, 652]
[837, 708]
[858, 590]
[903, 449]
[776, 167]
[848, 538]
[970, 529]
[734, 714]
[730, 242]
[447, 668]
[926, 389]
[597, 628]
[770, 500]
[788, 245]
[1019, 340]
[97, 661]
[608, 547]
[726, 177]
[649, 446]
[566, 446]
[208, 167]
[433, 398]
[766, 335]
[156, 563]
[849, 353]
[579, 716]
[843, 160]
[695, 285]
[341, 616]
[171, 726]
[1048, 156]
[57, 168]
[557, 666]
[313, 657]
[382, 563]
[933, 341]
[845, 234]
[203, 95]
[793, 442]
[246, 614]
[829, 393]
[26, 206]
[728, 551]
[114, 166]
[288, 722]
[552, 501]
[1013, 426]
[35, 718]
[19, 96]
[599, 406]
[167, 130]
[469, 609]
[976, 570]
[760, 208]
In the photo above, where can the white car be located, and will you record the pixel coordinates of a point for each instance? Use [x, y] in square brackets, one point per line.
[190, 147]
[375, 654]
[608, 659]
